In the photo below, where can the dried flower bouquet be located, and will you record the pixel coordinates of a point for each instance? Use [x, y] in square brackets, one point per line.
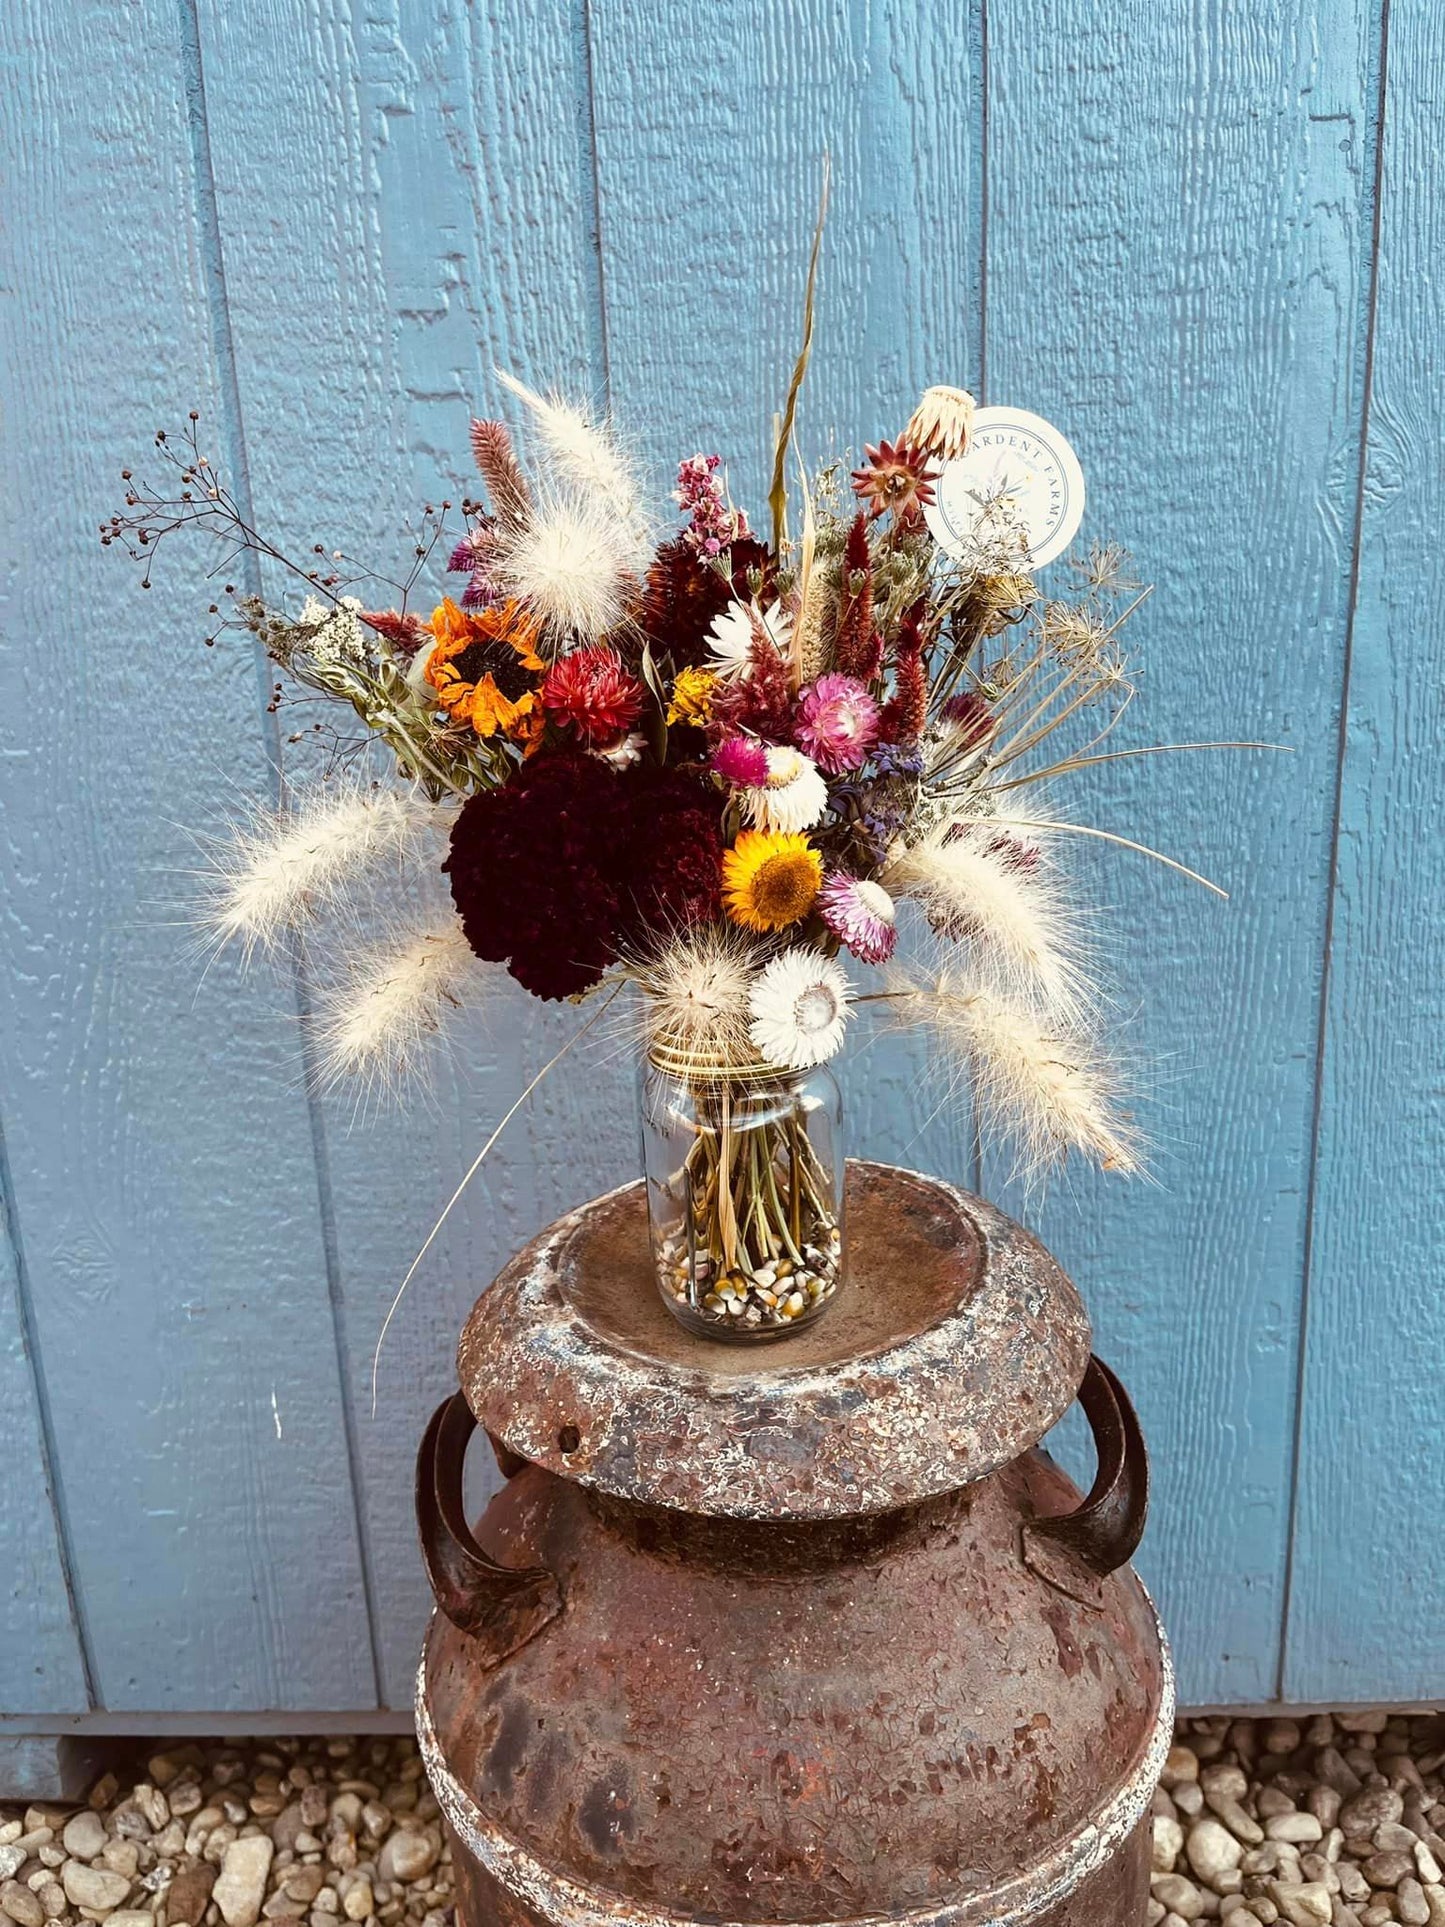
[717, 769]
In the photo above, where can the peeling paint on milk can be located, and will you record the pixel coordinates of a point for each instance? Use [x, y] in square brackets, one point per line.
[807, 1635]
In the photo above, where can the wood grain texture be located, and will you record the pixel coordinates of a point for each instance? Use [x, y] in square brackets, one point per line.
[42, 1668]
[724, 129]
[1368, 1581]
[413, 210]
[159, 1149]
[1178, 244]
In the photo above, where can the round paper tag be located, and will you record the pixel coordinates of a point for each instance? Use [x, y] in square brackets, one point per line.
[1017, 471]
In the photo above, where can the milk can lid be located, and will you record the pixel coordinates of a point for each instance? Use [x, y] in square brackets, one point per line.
[954, 1343]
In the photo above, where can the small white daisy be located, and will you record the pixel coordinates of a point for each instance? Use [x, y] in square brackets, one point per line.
[799, 1007]
[793, 798]
[730, 640]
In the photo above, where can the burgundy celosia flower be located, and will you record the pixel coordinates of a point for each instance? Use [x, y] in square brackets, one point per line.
[837, 723]
[857, 650]
[536, 874]
[674, 853]
[591, 693]
[906, 710]
[761, 701]
[571, 859]
[684, 595]
[742, 761]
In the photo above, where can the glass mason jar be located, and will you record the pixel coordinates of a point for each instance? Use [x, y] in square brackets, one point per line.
[744, 1168]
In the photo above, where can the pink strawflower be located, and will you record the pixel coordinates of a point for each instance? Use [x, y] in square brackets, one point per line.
[837, 723]
[860, 915]
[741, 761]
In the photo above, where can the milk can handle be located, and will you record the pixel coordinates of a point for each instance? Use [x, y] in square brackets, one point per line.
[501, 1607]
[1106, 1529]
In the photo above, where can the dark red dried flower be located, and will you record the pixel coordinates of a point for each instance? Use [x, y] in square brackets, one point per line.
[591, 693]
[571, 859]
[405, 633]
[906, 709]
[897, 479]
[676, 848]
[857, 649]
[535, 872]
[685, 595]
[972, 717]
[760, 702]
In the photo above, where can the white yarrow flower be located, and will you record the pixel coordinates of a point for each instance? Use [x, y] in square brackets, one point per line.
[793, 798]
[338, 639]
[799, 1009]
[730, 640]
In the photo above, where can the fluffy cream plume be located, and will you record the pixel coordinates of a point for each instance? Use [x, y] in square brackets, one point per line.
[972, 884]
[695, 987]
[571, 563]
[284, 865]
[586, 459]
[1049, 1089]
[373, 1025]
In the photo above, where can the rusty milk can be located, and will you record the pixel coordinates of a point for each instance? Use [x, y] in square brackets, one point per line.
[810, 1633]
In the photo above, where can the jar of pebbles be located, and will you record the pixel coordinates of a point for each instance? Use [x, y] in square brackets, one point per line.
[744, 1169]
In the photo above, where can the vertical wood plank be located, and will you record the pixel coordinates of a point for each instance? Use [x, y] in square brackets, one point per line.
[713, 138]
[1366, 1619]
[1178, 250]
[42, 1669]
[414, 208]
[159, 1149]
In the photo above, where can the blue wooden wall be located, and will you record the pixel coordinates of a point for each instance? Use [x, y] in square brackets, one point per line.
[1206, 240]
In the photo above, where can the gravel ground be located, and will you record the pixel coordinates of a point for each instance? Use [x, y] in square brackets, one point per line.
[1334, 1821]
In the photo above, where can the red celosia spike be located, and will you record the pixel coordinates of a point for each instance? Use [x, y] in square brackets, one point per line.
[854, 652]
[506, 484]
[761, 704]
[906, 709]
[405, 633]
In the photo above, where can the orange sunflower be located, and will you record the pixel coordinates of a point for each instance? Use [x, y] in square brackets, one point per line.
[485, 668]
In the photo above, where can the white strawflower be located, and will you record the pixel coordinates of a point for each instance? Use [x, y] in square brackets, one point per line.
[793, 798]
[799, 1008]
[730, 640]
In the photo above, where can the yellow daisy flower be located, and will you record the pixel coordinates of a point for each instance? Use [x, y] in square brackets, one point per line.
[770, 880]
[692, 696]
